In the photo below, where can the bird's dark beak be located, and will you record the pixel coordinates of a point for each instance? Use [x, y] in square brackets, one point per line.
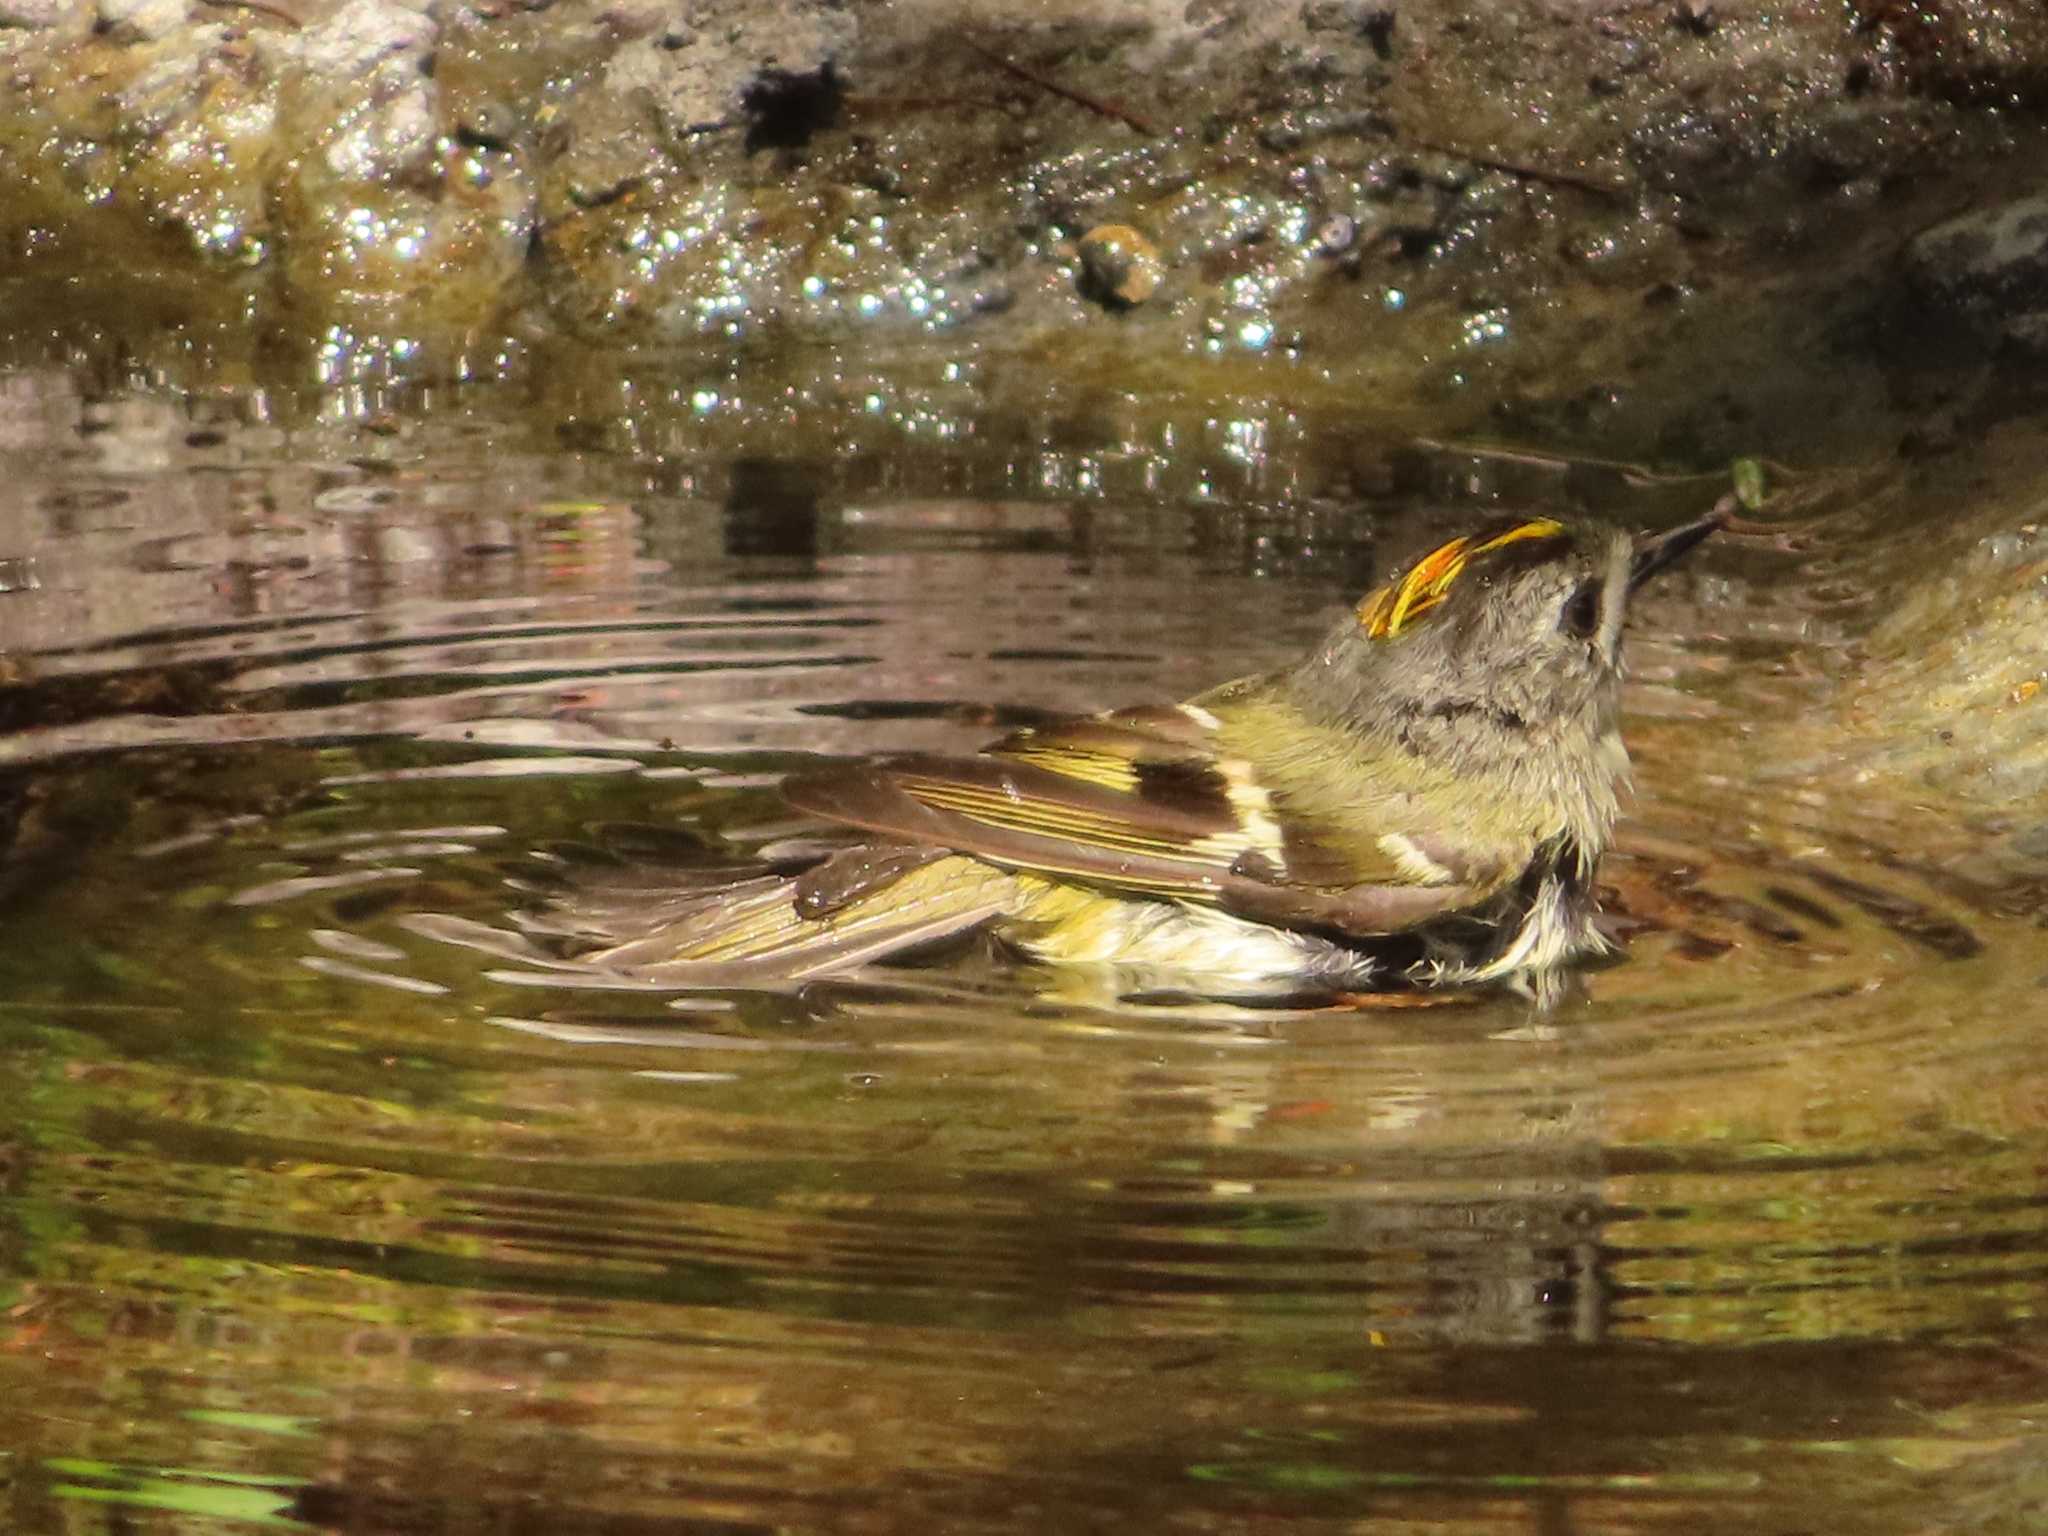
[1659, 550]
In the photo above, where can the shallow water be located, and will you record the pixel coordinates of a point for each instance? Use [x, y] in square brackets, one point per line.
[308, 1220]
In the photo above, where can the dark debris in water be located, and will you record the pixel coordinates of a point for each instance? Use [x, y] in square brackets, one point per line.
[187, 690]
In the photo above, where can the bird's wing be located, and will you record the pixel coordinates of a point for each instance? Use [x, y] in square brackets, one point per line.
[1144, 802]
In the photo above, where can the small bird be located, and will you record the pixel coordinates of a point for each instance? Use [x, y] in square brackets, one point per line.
[1419, 802]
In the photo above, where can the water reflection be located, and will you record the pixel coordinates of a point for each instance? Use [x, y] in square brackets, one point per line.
[314, 1213]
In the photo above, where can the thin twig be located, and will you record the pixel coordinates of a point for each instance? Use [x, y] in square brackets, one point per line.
[1630, 474]
[1607, 189]
[1096, 104]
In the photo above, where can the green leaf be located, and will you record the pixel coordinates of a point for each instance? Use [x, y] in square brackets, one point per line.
[218, 1501]
[1749, 483]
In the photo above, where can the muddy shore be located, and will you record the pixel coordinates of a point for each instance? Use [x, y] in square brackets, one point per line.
[1516, 204]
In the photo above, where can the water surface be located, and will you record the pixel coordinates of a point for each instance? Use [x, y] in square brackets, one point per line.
[310, 1221]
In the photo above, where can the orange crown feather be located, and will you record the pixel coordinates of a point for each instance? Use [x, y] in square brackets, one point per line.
[1382, 611]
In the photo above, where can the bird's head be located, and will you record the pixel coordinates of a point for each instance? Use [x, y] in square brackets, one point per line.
[1504, 641]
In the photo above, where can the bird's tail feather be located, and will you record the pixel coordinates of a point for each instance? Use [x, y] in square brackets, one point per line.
[756, 927]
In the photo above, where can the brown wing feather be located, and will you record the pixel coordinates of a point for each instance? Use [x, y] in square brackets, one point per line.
[1026, 817]
[1167, 836]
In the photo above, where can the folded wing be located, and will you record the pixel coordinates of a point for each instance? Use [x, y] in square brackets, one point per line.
[1142, 802]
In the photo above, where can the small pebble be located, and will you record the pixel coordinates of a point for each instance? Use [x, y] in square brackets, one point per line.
[1120, 268]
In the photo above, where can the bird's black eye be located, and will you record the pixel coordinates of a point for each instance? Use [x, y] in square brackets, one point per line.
[1582, 611]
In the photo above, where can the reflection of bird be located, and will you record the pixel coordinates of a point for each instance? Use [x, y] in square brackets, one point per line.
[1421, 800]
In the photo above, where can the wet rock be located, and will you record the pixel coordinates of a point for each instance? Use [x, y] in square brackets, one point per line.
[1361, 16]
[628, 20]
[164, 92]
[387, 138]
[602, 148]
[1494, 192]
[1987, 272]
[356, 38]
[1349, 21]
[37, 15]
[685, 98]
[192, 106]
[141, 21]
[2026, 335]
[639, 115]
[1843, 143]
[730, 63]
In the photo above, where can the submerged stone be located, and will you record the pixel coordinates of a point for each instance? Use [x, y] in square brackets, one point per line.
[1987, 271]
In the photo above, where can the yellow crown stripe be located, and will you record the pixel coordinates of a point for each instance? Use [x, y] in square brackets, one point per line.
[1373, 609]
[1382, 611]
[1535, 528]
[1427, 581]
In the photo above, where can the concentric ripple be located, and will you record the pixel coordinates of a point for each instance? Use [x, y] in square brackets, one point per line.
[329, 1201]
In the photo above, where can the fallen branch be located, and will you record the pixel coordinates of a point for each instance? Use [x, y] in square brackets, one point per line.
[1096, 104]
